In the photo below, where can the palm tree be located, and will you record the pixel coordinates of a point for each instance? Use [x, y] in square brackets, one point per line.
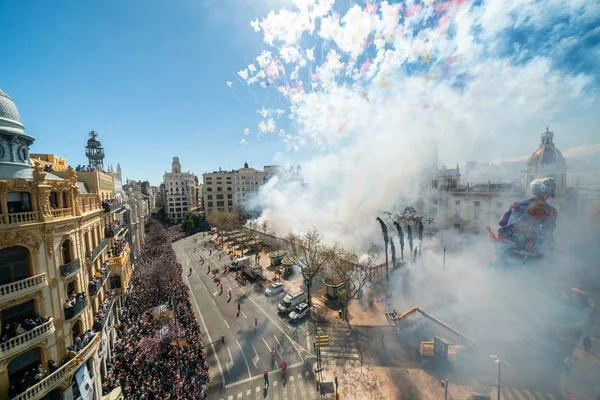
[420, 236]
[386, 240]
[409, 233]
[400, 239]
[393, 250]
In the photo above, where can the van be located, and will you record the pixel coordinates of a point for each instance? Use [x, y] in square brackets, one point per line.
[290, 301]
[240, 263]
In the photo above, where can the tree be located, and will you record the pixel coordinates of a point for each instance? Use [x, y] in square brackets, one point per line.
[414, 224]
[223, 221]
[386, 240]
[400, 239]
[354, 270]
[310, 254]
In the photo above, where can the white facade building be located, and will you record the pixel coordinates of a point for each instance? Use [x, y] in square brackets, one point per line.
[233, 190]
[180, 195]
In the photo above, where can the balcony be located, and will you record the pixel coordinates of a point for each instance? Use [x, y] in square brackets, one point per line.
[62, 212]
[22, 287]
[92, 255]
[19, 218]
[77, 308]
[95, 288]
[120, 257]
[110, 207]
[26, 340]
[90, 202]
[61, 375]
[70, 268]
[114, 231]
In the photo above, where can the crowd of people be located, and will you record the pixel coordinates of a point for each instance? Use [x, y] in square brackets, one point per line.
[111, 201]
[16, 328]
[102, 312]
[86, 168]
[111, 229]
[96, 281]
[175, 369]
[117, 248]
[73, 299]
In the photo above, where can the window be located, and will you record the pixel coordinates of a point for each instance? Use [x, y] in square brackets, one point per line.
[65, 251]
[230, 202]
[477, 204]
[476, 215]
[210, 204]
[209, 197]
[229, 188]
[209, 189]
[434, 184]
[18, 202]
[14, 264]
[219, 197]
[220, 204]
[229, 196]
[219, 189]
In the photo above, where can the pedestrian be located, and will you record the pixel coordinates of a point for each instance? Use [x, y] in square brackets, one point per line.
[221, 289]
[229, 293]
[239, 306]
[208, 270]
[266, 375]
[587, 344]
[190, 272]
[568, 365]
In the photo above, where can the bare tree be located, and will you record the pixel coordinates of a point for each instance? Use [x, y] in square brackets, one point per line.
[223, 221]
[353, 269]
[310, 254]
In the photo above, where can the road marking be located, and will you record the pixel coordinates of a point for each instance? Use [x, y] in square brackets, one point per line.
[528, 394]
[214, 302]
[266, 344]
[240, 394]
[243, 355]
[243, 314]
[274, 383]
[291, 378]
[226, 323]
[248, 392]
[229, 364]
[296, 345]
[257, 389]
[256, 357]
[212, 345]
[307, 341]
[280, 348]
[229, 397]
[260, 376]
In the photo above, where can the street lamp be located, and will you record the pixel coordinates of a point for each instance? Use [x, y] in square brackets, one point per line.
[499, 362]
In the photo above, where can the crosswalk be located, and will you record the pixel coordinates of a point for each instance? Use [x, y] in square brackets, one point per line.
[522, 394]
[341, 345]
[299, 386]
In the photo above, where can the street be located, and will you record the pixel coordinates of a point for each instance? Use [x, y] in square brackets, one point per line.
[237, 365]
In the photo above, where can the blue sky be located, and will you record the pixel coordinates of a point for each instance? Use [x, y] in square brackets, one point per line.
[148, 76]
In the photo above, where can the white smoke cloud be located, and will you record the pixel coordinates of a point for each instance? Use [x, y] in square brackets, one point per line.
[386, 83]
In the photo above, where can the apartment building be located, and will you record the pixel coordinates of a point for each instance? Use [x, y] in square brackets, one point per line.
[180, 193]
[62, 270]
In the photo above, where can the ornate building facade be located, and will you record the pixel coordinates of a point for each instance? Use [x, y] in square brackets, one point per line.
[180, 194]
[62, 269]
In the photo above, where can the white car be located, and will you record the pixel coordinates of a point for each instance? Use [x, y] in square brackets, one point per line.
[300, 312]
[274, 289]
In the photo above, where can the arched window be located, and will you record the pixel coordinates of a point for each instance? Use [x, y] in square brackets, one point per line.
[22, 364]
[14, 264]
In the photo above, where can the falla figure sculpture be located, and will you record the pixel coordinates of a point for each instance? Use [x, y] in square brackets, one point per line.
[527, 228]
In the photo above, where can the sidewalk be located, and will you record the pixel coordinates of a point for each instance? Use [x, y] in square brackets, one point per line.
[584, 381]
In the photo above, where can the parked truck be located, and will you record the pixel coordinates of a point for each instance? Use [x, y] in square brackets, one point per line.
[245, 265]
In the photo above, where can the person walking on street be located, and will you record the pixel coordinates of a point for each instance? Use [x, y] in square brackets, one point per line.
[190, 274]
[229, 293]
[255, 324]
[266, 375]
[221, 289]
[587, 344]
[239, 307]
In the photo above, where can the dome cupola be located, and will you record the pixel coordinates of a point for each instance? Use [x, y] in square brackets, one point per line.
[547, 155]
[14, 142]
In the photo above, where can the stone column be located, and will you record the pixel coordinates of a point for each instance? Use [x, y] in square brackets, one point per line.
[59, 199]
[4, 383]
[3, 202]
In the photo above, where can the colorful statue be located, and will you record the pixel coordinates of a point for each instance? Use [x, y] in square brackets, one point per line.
[527, 228]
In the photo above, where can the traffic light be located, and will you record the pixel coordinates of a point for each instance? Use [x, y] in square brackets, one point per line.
[223, 339]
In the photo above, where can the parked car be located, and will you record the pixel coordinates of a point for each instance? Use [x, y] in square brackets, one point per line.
[274, 289]
[300, 312]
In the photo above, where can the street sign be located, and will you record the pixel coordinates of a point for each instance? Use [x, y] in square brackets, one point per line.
[322, 341]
